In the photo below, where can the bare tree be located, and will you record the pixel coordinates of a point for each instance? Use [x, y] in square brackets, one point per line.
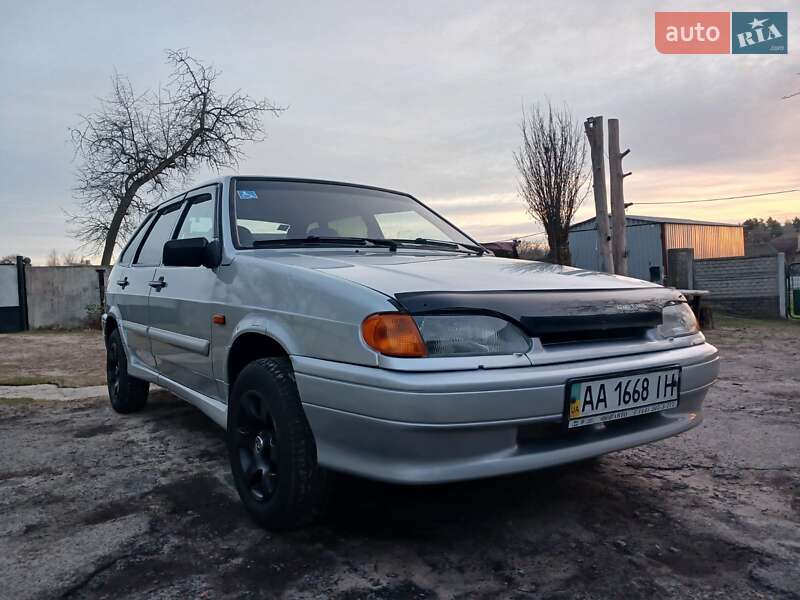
[532, 250]
[136, 147]
[553, 172]
[52, 259]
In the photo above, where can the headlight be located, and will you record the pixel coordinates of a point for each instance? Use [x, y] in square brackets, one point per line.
[470, 335]
[677, 320]
[402, 335]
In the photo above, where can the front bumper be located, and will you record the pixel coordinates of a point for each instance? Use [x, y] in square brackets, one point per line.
[410, 427]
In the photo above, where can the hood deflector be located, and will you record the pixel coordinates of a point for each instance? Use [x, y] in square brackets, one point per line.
[554, 312]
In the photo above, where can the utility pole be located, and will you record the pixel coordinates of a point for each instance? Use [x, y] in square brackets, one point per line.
[594, 131]
[618, 232]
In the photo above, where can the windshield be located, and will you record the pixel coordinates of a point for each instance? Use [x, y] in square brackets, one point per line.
[292, 210]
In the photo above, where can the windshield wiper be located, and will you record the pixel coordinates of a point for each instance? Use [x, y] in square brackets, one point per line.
[442, 244]
[321, 239]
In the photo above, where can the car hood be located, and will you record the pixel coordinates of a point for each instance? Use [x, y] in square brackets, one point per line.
[404, 272]
[544, 299]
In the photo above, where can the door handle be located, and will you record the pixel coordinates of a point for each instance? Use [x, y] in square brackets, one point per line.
[123, 283]
[158, 284]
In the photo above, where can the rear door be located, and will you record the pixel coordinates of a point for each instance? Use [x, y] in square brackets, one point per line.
[136, 282]
[127, 290]
[181, 310]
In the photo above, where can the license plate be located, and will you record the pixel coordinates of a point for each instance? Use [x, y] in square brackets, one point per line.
[591, 401]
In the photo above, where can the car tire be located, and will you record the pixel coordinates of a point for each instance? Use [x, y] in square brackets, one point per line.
[127, 394]
[271, 447]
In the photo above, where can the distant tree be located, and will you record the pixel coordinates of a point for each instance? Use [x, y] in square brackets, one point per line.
[553, 172]
[531, 250]
[8, 259]
[139, 144]
[755, 231]
[774, 227]
[53, 259]
[69, 259]
[759, 231]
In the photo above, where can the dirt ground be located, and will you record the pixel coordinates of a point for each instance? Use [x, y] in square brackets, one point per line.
[71, 359]
[97, 505]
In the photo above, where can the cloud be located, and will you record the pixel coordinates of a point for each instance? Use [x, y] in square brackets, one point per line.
[420, 96]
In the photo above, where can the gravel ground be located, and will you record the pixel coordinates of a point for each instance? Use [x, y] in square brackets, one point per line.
[97, 505]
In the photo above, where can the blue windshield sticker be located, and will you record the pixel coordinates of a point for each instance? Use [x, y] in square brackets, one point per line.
[247, 195]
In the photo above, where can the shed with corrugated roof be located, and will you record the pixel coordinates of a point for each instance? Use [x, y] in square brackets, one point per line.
[649, 239]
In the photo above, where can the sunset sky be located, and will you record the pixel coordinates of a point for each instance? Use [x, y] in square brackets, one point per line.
[422, 97]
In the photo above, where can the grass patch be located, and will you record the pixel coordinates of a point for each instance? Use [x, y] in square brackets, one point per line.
[55, 331]
[16, 402]
[66, 381]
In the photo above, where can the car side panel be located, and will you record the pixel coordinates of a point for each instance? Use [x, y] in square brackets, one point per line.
[307, 313]
[128, 291]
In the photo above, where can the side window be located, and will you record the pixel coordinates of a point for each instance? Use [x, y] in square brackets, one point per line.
[130, 249]
[153, 247]
[199, 219]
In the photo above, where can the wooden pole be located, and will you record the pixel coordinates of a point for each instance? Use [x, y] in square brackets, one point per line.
[594, 131]
[618, 232]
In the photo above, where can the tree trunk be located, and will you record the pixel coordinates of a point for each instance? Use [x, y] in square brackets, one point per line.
[558, 240]
[113, 228]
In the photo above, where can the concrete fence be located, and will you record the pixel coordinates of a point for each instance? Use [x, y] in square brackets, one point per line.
[63, 297]
[754, 286]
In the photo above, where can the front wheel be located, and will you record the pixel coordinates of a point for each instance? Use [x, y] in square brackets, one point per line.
[271, 447]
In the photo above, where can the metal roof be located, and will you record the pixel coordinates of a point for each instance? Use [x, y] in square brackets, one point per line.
[629, 218]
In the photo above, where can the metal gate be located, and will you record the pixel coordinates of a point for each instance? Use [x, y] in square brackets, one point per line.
[13, 300]
[793, 290]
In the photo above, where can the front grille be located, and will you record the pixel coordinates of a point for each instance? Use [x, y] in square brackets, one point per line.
[593, 335]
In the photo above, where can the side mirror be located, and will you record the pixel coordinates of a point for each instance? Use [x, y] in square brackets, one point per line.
[192, 252]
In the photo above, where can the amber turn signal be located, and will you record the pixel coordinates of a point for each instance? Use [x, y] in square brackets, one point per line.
[393, 334]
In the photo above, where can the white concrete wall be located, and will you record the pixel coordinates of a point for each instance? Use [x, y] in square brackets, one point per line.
[58, 296]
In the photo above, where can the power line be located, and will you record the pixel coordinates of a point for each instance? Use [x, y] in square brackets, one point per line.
[724, 198]
[520, 237]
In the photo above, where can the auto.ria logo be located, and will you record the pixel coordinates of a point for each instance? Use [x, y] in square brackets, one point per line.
[721, 32]
[759, 33]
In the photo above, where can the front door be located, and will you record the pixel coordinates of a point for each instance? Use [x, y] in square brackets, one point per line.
[181, 309]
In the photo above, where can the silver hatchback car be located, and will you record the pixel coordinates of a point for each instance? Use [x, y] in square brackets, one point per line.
[335, 326]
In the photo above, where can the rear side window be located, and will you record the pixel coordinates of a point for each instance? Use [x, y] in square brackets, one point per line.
[130, 249]
[153, 248]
